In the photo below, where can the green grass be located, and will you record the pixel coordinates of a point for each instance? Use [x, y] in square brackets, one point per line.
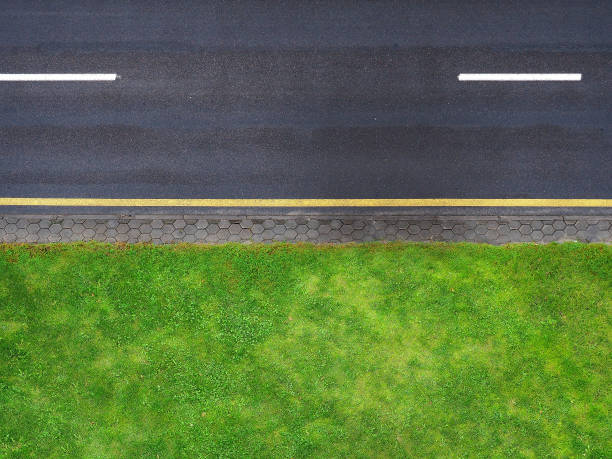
[293, 351]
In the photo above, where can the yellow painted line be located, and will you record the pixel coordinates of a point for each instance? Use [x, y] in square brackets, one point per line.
[441, 202]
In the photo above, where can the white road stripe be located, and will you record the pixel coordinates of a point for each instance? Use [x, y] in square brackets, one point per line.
[520, 76]
[58, 76]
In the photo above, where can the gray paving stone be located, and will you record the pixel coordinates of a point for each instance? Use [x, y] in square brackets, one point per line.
[88, 234]
[315, 229]
[559, 224]
[267, 235]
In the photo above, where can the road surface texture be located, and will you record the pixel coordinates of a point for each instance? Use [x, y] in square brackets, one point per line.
[320, 100]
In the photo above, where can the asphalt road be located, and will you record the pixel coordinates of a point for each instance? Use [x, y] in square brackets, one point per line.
[305, 100]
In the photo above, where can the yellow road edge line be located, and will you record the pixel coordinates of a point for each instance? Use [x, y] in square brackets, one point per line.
[436, 202]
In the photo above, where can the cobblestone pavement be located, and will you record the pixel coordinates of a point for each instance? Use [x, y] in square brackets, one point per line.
[320, 229]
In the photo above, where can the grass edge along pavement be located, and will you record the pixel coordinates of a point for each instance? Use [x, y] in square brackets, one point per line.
[301, 350]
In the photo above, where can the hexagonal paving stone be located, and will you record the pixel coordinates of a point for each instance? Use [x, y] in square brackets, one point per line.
[201, 223]
[33, 228]
[603, 225]
[312, 234]
[67, 223]
[224, 224]
[157, 224]
[267, 235]
[581, 225]
[314, 224]
[559, 225]
[301, 229]
[201, 234]
[178, 234]
[223, 234]
[245, 234]
[525, 229]
[548, 230]
[257, 228]
[492, 235]
[179, 223]
[503, 229]
[78, 228]
[133, 233]
[391, 230]
[189, 229]
[88, 234]
[235, 228]
[43, 234]
[571, 230]
[122, 228]
[65, 234]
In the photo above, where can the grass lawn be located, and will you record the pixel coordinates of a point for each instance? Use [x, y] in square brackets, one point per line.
[293, 351]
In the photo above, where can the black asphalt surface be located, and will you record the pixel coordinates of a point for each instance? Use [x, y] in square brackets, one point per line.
[306, 100]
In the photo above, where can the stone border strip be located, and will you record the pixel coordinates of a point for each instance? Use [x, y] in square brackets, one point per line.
[217, 229]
